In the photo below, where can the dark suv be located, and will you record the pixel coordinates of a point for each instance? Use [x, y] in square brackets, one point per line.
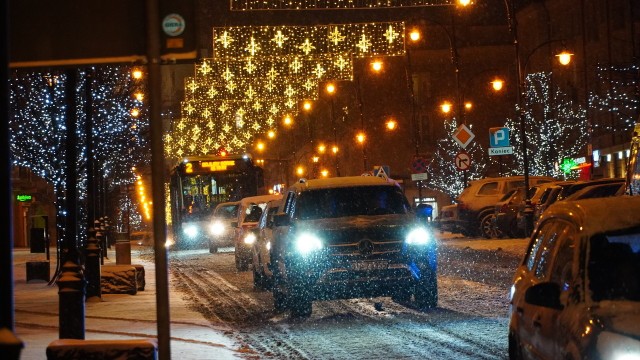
[350, 237]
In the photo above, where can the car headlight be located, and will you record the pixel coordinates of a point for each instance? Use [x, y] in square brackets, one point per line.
[306, 243]
[190, 230]
[419, 236]
[216, 228]
[250, 238]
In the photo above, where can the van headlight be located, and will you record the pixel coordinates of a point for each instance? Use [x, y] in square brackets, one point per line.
[307, 243]
[250, 238]
[419, 236]
[216, 228]
[190, 230]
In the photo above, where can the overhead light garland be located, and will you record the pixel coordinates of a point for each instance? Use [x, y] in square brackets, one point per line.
[243, 5]
[260, 74]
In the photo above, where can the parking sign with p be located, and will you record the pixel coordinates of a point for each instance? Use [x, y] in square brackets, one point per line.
[499, 137]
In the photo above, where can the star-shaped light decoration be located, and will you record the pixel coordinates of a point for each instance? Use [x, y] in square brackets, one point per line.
[274, 109]
[309, 84]
[223, 108]
[290, 103]
[279, 38]
[319, 71]
[306, 47]
[256, 126]
[205, 68]
[270, 121]
[391, 34]
[227, 75]
[364, 44]
[341, 62]
[231, 86]
[289, 91]
[295, 65]
[226, 128]
[335, 36]
[189, 108]
[270, 85]
[272, 74]
[206, 113]
[225, 39]
[212, 92]
[250, 93]
[181, 125]
[211, 124]
[249, 67]
[257, 106]
[253, 47]
[192, 85]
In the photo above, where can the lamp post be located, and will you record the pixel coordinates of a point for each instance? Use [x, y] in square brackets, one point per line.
[513, 29]
[331, 90]
[376, 67]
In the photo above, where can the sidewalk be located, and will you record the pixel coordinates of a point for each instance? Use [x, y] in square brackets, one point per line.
[113, 317]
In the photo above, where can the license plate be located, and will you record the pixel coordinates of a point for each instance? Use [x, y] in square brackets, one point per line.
[369, 265]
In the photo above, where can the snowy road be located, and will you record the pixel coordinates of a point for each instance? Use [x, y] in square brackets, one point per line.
[469, 323]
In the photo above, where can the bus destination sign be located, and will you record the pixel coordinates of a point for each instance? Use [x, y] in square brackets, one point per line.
[197, 167]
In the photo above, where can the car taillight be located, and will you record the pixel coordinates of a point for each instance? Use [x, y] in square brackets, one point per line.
[504, 207]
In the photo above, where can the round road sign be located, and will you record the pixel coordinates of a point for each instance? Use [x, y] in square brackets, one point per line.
[463, 161]
[173, 24]
[419, 165]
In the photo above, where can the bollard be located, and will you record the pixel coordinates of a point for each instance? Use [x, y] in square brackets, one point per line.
[92, 265]
[123, 252]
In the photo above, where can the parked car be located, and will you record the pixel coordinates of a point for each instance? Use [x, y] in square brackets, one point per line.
[506, 211]
[546, 196]
[349, 237]
[576, 294]
[598, 191]
[476, 203]
[448, 219]
[222, 233]
[261, 251]
[249, 213]
[579, 185]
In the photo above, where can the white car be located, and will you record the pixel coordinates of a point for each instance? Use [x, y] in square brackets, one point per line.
[576, 294]
[222, 233]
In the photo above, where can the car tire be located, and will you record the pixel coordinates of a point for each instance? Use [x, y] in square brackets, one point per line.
[515, 349]
[241, 264]
[486, 225]
[426, 290]
[258, 279]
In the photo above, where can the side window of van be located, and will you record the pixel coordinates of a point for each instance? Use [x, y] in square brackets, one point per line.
[490, 188]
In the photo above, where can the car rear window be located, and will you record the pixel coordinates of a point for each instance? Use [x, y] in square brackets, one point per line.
[350, 201]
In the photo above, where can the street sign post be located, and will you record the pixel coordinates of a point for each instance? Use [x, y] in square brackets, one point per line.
[463, 161]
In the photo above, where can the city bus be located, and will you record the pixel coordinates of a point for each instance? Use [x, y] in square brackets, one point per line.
[198, 184]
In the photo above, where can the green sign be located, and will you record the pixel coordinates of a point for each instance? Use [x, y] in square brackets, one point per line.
[567, 165]
[24, 197]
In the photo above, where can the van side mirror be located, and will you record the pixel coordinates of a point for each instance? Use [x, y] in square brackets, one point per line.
[546, 294]
[281, 219]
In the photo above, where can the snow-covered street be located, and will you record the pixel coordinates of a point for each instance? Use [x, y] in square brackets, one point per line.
[469, 323]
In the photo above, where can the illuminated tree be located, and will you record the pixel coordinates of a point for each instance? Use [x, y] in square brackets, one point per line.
[555, 128]
[38, 130]
[443, 173]
[618, 98]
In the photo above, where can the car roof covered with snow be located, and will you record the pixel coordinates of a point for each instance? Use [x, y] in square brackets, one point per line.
[599, 215]
[260, 199]
[346, 181]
